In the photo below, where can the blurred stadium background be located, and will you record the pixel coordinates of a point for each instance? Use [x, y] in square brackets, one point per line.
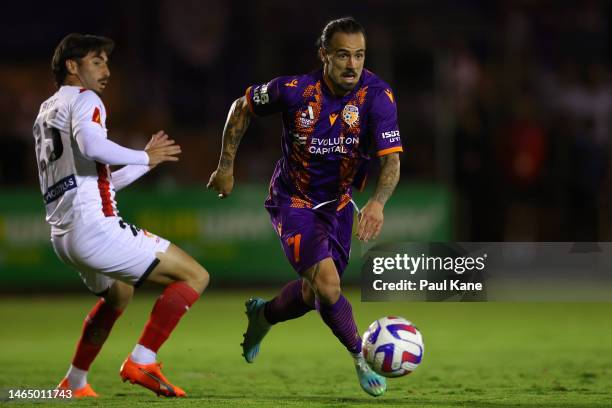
[504, 109]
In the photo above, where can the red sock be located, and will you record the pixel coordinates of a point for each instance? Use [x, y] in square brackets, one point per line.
[96, 328]
[176, 299]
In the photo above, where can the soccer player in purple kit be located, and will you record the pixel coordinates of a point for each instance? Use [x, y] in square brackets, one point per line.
[333, 119]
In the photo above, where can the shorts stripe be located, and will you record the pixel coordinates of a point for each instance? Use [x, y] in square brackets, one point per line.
[145, 275]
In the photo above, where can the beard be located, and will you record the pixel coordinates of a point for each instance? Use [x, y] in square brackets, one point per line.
[344, 86]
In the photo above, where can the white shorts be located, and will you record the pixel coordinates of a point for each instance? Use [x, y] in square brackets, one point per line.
[109, 249]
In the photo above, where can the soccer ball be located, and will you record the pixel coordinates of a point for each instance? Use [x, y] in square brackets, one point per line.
[393, 346]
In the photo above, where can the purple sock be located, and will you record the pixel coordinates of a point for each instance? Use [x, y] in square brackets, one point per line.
[339, 318]
[288, 304]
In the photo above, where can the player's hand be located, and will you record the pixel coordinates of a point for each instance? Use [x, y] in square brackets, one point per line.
[370, 221]
[222, 182]
[161, 149]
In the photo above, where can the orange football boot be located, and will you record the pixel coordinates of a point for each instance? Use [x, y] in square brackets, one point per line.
[83, 392]
[149, 376]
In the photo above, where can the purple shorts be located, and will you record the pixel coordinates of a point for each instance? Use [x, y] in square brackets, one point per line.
[309, 236]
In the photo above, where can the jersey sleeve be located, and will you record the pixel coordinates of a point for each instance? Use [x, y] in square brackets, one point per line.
[383, 123]
[127, 175]
[88, 128]
[267, 99]
[88, 113]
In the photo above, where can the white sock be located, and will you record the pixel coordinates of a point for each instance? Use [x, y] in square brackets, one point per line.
[77, 378]
[143, 355]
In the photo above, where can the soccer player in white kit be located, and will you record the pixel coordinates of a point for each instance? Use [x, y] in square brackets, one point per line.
[87, 233]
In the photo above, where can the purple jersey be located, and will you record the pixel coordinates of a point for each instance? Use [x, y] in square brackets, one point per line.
[327, 139]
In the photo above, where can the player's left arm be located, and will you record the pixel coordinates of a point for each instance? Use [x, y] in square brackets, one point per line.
[385, 130]
[132, 172]
[372, 218]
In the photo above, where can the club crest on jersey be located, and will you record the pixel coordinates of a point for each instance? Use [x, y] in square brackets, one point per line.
[350, 114]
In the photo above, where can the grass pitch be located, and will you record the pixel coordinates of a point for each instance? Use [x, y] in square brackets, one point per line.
[476, 355]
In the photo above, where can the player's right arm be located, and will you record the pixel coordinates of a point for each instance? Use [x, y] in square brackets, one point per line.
[238, 119]
[259, 100]
[90, 135]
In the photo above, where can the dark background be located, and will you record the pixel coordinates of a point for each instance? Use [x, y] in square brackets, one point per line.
[506, 103]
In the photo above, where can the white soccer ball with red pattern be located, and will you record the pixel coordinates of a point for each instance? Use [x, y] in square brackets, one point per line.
[393, 346]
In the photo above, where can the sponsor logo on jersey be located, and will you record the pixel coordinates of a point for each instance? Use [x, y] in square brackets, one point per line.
[350, 114]
[387, 135]
[305, 123]
[306, 120]
[341, 144]
[96, 116]
[391, 136]
[390, 95]
[59, 189]
[260, 95]
[332, 118]
[292, 84]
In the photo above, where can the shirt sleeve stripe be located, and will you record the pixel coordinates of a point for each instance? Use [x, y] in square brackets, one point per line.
[389, 150]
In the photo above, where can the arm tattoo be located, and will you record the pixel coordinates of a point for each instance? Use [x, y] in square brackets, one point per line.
[388, 178]
[236, 124]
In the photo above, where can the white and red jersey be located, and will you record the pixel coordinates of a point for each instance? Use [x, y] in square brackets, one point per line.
[75, 187]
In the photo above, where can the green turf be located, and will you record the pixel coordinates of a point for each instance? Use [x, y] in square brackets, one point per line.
[477, 355]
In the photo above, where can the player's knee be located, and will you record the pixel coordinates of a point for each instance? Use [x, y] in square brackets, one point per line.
[197, 277]
[329, 294]
[328, 288]
[177, 266]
